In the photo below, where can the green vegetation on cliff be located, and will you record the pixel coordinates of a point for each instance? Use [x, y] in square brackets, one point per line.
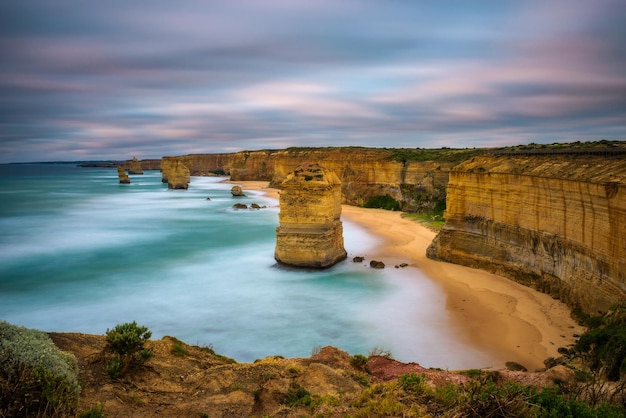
[432, 154]
[36, 378]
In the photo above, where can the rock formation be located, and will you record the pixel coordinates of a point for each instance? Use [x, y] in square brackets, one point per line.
[237, 191]
[310, 232]
[135, 167]
[121, 173]
[177, 176]
[416, 178]
[556, 223]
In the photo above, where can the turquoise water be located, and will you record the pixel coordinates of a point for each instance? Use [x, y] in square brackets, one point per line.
[80, 252]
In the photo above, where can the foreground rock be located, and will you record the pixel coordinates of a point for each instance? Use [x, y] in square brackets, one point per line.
[190, 381]
[310, 232]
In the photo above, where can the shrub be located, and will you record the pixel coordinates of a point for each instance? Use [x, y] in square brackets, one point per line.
[412, 382]
[382, 202]
[298, 396]
[127, 341]
[95, 412]
[604, 345]
[359, 362]
[36, 378]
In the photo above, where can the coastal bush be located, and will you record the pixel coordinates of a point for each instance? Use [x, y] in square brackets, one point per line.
[298, 396]
[359, 362]
[382, 202]
[603, 346]
[127, 342]
[36, 378]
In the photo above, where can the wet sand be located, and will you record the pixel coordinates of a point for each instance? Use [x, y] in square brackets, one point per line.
[507, 320]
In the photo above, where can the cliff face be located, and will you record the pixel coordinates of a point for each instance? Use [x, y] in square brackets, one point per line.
[556, 223]
[363, 172]
[310, 233]
[175, 173]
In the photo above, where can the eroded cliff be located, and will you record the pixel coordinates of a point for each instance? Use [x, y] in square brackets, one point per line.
[416, 178]
[553, 222]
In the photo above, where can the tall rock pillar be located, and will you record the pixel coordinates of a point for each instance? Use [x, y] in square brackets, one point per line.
[310, 233]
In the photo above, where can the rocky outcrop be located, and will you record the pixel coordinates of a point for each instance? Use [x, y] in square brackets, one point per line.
[177, 175]
[553, 222]
[135, 167]
[416, 178]
[121, 174]
[310, 233]
[237, 191]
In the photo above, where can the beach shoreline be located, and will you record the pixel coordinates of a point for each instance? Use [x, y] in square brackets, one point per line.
[506, 320]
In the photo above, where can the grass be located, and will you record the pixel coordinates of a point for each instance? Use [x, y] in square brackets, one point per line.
[432, 222]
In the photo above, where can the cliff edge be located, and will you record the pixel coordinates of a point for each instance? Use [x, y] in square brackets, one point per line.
[552, 222]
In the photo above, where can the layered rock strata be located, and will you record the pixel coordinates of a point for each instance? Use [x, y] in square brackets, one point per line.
[135, 167]
[557, 223]
[310, 233]
[177, 175]
[121, 174]
[418, 184]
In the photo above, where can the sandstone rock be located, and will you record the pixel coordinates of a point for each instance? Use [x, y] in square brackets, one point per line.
[121, 174]
[552, 223]
[377, 264]
[240, 206]
[358, 259]
[237, 191]
[256, 206]
[178, 176]
[364, 173]
[310, 232]
[135, 167]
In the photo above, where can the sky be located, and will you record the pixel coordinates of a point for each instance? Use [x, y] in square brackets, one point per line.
[86, 80]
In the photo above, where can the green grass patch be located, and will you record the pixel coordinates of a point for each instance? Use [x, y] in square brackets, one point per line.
[433, 222]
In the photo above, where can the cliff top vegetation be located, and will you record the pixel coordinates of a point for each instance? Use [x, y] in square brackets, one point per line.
[185, 380]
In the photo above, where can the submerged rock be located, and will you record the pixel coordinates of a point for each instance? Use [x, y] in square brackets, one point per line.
[377, 264]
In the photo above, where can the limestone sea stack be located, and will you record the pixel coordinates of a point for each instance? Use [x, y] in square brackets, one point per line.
[310, 233]
[178, 176]
[135, 167]
[121, 173]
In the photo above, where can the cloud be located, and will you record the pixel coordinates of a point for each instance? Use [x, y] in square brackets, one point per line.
[101, 80]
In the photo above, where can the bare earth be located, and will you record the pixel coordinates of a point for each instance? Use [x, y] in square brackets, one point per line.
[509, 321]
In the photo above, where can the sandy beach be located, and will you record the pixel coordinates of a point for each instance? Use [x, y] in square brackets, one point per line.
[507, 320]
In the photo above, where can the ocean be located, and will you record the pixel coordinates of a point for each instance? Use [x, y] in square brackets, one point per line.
[81, 253]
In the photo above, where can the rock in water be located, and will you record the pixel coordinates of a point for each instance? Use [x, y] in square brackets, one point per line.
[135, 167]
[121, 173]
[237, 191]
[178, 176]
[310, 232]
